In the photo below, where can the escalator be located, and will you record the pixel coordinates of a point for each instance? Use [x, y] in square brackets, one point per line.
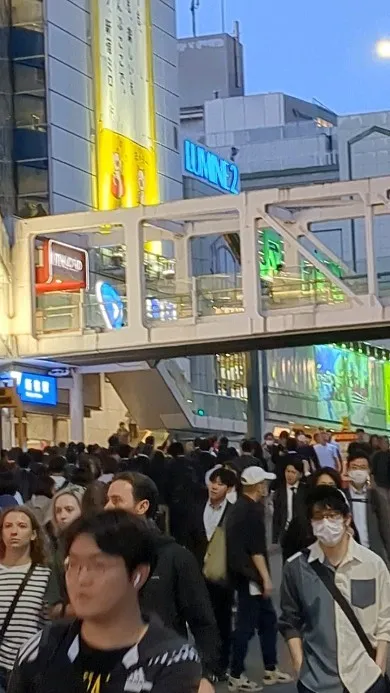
[155, 395]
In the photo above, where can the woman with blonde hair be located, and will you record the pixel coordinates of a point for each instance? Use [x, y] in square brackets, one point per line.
[65, 508]
[24, 578]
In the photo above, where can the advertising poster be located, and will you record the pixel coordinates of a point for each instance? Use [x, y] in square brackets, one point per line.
[343, 384]
[386, 379]
[123, 72]
[271, 253]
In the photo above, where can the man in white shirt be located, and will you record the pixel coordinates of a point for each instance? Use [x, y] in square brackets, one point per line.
[288, 499]
[326, 452]
[367, 507]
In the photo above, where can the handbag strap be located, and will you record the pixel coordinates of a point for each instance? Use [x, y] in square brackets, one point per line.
[326, 578]
[15, 600]
[223, 516]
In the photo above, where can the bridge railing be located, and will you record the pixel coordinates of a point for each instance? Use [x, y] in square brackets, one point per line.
[219, 406]
[203, 296]
[82, 312]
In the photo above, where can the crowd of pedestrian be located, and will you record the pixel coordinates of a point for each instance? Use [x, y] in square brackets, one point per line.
[147, 569]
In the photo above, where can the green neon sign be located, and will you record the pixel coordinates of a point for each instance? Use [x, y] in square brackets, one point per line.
[271, 253]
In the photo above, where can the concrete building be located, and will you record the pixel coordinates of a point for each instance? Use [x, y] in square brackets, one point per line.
[61, 104]
[61, 64]
[55, 129]
[55, 98]
[279, 140]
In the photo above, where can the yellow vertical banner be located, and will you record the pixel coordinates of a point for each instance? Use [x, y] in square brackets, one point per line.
[386, 388]
[124, 102]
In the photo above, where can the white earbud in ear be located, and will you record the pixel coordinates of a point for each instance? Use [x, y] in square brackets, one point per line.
[136, 580]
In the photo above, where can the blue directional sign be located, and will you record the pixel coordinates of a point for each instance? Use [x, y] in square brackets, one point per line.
[210, 168]
[111, 305]
[33, 387]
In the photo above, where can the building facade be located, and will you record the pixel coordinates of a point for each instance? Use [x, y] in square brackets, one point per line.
[280, 141]
[74, 152]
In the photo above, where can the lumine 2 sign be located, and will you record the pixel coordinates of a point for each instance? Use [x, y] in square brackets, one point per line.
[207, 166]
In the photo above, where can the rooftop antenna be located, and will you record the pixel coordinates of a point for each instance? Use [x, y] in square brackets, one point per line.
[193, 7]
[319, 103]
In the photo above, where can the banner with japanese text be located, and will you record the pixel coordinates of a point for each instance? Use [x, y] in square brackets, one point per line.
[123, 74]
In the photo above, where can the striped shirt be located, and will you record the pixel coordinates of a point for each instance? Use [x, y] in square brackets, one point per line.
[28, 617]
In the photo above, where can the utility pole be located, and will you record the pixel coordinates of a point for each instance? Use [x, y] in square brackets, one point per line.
[193, 7]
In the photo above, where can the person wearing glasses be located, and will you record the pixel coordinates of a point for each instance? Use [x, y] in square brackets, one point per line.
[335, 605]
[110, 646]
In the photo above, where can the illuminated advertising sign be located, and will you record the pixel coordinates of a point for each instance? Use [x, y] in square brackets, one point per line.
[126, 140]
[161, 309]
[33, 387]
[271, 253]
[343, 384]
[65, 268]
[386, 379]
[210, 168]
[111, 305]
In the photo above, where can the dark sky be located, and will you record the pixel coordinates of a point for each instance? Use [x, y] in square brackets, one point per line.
[321, 49]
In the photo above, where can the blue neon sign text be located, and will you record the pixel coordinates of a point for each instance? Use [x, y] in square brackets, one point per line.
[33, 387]
[210, 168]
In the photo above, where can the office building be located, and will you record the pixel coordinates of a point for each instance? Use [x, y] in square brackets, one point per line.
[277, 140]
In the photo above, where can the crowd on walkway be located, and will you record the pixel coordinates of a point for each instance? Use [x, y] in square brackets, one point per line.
[147, 569]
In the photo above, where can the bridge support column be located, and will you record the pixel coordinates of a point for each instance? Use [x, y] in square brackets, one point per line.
[249, 244]
[183, 259]
[135, 281]
[291, 257]
[254, 384]
[76, 407]
[370, 250]
[23, 322]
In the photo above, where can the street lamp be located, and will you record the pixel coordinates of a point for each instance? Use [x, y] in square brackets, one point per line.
[382, 48]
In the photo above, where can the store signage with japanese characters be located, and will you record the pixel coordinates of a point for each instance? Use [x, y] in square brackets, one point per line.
[33, 387]
[126, 147]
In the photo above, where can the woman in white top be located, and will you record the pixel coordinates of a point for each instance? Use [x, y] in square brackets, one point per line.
[23, 583]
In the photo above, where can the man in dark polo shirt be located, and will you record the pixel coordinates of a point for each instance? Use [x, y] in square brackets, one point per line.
[248, 565]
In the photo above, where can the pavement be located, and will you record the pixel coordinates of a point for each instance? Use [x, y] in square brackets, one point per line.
[254, 662]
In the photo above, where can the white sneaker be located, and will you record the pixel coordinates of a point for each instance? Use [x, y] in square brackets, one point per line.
[243, 684]
[276, 676]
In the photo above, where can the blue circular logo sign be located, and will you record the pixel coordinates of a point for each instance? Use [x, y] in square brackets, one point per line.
[111, 305]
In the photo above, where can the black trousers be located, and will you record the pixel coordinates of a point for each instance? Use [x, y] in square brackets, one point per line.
[222, 602]
[378, 687]
[254, 614]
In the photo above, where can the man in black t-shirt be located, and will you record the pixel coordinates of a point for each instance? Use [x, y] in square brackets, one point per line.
[110, 648]
[248, 564]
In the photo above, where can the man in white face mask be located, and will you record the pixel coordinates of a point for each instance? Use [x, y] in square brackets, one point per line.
[367, 507]
[326, 651]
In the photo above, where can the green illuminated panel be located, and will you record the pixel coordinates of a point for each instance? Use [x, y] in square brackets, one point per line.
[271, 253]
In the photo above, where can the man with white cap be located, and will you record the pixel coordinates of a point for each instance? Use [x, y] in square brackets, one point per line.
[248, 565]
